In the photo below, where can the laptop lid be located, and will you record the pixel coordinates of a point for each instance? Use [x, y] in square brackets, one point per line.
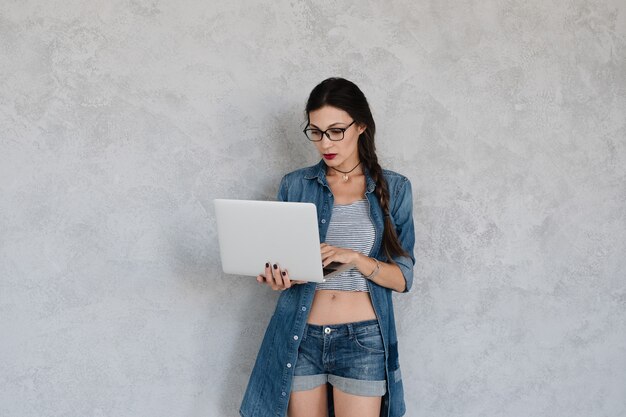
[252, 233]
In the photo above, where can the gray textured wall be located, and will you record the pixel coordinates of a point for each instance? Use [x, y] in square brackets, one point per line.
[120, 121]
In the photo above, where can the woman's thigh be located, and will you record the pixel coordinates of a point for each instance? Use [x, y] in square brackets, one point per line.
[311, 403]
[348, 405]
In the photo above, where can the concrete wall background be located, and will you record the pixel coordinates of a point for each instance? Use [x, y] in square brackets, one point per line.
[121, 120]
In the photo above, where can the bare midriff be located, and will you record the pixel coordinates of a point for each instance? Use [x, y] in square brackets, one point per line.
[335, 307]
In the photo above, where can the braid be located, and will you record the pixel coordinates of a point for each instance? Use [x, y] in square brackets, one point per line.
[390, 243]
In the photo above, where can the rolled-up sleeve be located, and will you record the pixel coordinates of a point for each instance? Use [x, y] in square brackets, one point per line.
[403, 219]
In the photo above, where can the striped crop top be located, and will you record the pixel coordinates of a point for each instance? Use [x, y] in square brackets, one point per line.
[350, 227]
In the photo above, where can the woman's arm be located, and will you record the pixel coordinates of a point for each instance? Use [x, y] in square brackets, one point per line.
[384, 274]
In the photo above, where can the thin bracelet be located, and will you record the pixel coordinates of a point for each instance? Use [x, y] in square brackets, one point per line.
[375, 271]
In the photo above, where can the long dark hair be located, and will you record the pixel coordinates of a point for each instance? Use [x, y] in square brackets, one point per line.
[345, 95]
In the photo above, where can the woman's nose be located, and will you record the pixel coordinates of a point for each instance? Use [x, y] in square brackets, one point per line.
[326, 142]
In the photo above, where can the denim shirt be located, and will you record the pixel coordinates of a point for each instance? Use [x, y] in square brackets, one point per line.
[269, 386]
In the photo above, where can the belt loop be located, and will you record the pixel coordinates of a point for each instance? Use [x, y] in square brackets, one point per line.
[350, 331]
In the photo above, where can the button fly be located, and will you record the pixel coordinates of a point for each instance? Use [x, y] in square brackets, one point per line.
[327, 330]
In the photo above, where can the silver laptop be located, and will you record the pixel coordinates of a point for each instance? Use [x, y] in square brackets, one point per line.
[252, 233]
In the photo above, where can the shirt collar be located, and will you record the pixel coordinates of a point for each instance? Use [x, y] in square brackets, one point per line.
[318, 172]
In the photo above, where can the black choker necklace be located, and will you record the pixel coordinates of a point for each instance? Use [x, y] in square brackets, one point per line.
[345, 173]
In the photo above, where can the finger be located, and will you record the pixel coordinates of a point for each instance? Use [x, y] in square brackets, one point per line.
[277, 276]
[269, 278]
[286, 281]
[327, 258]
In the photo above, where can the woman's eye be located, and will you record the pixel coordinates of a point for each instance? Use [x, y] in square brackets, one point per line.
[335, 131]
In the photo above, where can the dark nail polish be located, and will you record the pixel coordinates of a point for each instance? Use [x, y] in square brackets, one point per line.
[284, 273]
[267, 264]
[275, 266]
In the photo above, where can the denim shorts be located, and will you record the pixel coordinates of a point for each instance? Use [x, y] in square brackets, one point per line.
[350, 356]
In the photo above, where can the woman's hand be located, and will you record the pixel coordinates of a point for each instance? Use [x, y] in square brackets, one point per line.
[335, 254]
[276, 278]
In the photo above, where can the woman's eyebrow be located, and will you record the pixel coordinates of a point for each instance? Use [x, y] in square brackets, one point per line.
[329, 126]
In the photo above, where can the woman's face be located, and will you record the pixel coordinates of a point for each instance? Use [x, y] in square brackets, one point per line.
[343, 154]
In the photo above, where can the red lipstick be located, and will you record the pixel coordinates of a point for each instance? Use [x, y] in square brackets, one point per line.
[330, 155]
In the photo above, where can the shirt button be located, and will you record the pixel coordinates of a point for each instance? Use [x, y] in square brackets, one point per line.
[283, 393]
[295, 337]
[288, 365]
[323, 220]
[303, 308]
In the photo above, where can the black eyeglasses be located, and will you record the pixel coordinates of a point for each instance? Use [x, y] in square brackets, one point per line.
[333, 133]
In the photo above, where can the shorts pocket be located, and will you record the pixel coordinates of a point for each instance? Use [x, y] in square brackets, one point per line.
[372, 341]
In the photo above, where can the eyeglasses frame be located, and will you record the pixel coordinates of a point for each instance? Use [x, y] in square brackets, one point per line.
[325, 133]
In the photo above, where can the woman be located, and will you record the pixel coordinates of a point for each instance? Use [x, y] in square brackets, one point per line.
[331, 348]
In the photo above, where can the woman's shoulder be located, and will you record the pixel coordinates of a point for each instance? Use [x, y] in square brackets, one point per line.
[399, 186]
[294, 183]
[309, 172]
[394, 174]
[394, 178]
